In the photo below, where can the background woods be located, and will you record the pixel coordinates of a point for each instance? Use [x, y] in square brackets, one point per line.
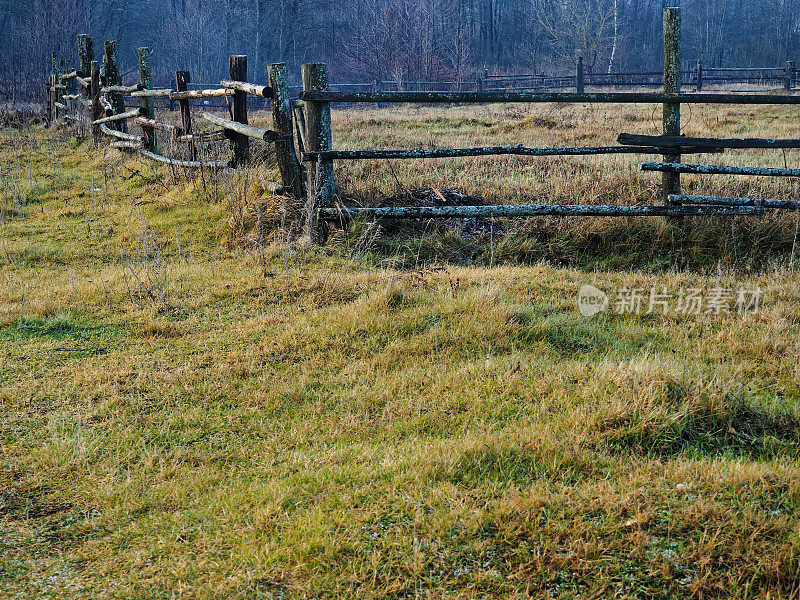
[402, 40]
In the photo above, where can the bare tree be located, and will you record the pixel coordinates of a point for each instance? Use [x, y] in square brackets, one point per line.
[362, 40]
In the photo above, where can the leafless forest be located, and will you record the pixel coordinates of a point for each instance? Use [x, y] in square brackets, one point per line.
[362, 40]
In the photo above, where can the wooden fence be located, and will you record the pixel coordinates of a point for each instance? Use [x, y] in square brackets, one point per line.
[302, 127]
[695, 78]
[99, 102]
[581, 80]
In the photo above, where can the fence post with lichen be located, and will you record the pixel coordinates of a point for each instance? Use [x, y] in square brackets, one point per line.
[288, 164]
[671, 182]
[321, 188]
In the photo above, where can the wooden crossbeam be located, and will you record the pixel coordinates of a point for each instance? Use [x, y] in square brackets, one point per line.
[531, 210]
[173, 129]
[194, 94]
[121, 89]
[188, 164]
[489, 151]
[266, 135]
[154, 93]
[598, 97]
[730, 201]
[628, 139]
[126, 145]
[207, 136]
[719, 170]
[120, 117]
[263, 91]
[120, 135]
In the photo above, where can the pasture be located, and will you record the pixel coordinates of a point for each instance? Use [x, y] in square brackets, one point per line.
[196, 404]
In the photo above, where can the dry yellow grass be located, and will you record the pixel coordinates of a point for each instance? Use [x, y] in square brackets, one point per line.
[590, 180]
[198, 419]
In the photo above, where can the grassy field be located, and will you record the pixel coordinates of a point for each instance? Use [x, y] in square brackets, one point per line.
[194, 406]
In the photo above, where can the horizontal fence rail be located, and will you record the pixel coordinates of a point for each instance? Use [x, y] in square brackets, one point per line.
[676, 142]
[189, 164]
[522, 97]
[493, 151]
[265, 135]
[531, 210]
[734, 202]
[719, 170]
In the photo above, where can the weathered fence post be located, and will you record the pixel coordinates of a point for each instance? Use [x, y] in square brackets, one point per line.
[146, 79]
[321, 188]
[85, 54]
[94, 93]
[699, 75]
[671, 182]
[53, 91]
[479, 82]
[376, 87]
[240, 144]
[289, 166]
[580, 75]
[51, 96]
[182, 81]
[113, 78]
[70, 86]
[789, 72]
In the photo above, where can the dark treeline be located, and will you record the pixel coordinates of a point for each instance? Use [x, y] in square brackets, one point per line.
[363, 40]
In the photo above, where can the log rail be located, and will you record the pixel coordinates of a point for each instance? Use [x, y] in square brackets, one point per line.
[532, 210]
[491, 151]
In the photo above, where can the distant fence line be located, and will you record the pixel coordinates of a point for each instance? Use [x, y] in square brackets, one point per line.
[784, 76]
[302, 133]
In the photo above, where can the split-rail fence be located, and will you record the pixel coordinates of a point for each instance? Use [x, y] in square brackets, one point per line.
[302, 132]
